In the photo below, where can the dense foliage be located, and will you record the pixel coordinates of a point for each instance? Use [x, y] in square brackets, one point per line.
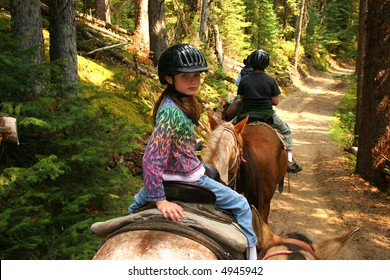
[60, 177]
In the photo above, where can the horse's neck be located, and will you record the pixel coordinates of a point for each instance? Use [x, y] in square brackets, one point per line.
[221, 150]
[221, 164]
[223, 157]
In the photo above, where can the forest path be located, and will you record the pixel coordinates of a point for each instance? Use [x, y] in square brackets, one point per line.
[325, 200]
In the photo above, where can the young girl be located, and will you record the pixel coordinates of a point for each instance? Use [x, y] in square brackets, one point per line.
[170, 153]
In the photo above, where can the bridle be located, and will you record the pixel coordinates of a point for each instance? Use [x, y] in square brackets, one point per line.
[286, 241]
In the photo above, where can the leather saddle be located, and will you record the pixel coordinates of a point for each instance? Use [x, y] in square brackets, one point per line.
[192, 193]
[205, 223]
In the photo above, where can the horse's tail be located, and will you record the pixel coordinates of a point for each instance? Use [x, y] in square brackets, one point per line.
[249, 177]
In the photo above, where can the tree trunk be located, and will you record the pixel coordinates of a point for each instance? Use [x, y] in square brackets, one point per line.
[103, 10]
[374, 130]
[27, 27]
[203, 20]
[63, 45]
[298, 33]
[218, 46]
[157, 31]
[141, 29]
[359, 66]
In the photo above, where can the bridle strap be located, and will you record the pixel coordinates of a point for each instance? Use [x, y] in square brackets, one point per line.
[277, 253]
[285, 241]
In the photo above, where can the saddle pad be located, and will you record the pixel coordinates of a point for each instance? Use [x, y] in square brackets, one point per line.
[278, 133]
[225, 232]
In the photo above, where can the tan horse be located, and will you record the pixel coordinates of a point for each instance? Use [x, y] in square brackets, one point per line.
[152, 245]
[294, 246]
[249, 157]
[206, 233]
[223, 149]
[163, 245]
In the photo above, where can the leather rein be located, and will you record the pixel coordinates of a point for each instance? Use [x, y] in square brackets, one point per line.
[285, 241]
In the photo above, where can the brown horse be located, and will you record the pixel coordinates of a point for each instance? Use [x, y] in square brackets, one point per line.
[250, 158]
[294, 246]
[230, 110]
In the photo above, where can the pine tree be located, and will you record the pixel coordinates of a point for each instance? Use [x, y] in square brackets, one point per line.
[265, 29]
[341, 24]
[231, 19]
[313, 38]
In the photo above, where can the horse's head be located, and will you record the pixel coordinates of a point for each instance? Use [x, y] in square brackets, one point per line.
[294, 246]
[223, 148]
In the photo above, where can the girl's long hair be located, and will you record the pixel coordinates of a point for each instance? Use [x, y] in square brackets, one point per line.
[187, 103]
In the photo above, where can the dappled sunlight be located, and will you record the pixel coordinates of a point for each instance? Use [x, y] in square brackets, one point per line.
[93, 73]
[321, 213]
[315, 118]
[380, 240]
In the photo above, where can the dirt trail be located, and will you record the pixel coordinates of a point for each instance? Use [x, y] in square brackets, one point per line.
[325, 200]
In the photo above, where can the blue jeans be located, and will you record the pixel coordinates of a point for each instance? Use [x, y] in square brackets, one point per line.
[226, 199]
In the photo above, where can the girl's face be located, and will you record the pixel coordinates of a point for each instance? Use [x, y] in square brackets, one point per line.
[186, 83]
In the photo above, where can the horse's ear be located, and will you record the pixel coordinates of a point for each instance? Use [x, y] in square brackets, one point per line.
[213, 122]
[264, 234]
[256, 224]
[240, 126]
[328, 248]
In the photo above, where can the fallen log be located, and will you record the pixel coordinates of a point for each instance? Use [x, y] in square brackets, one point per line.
[8, 129]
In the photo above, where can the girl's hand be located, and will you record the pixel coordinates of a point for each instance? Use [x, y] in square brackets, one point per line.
[170, 210]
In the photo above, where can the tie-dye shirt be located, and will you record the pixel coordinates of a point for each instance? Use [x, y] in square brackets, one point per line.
[170, 150]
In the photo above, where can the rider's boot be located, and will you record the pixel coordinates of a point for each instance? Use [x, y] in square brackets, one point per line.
[294, 167]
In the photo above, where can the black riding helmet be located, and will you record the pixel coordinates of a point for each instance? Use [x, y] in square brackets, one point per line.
[259, 59]
[180, 58]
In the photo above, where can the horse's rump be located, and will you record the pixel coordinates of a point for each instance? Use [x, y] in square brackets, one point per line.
[211, 227]
[264, 167]
[249, 181]
[262, 131]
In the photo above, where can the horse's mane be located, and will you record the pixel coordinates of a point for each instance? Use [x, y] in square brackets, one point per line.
[249, 176]
[297, 255]
[299, 236]
[212, 143]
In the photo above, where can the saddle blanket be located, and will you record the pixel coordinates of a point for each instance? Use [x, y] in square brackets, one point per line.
[206, 219]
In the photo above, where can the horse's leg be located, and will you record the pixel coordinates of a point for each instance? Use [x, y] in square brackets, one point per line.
[265, 209]
[269, 188]
[281, 185]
